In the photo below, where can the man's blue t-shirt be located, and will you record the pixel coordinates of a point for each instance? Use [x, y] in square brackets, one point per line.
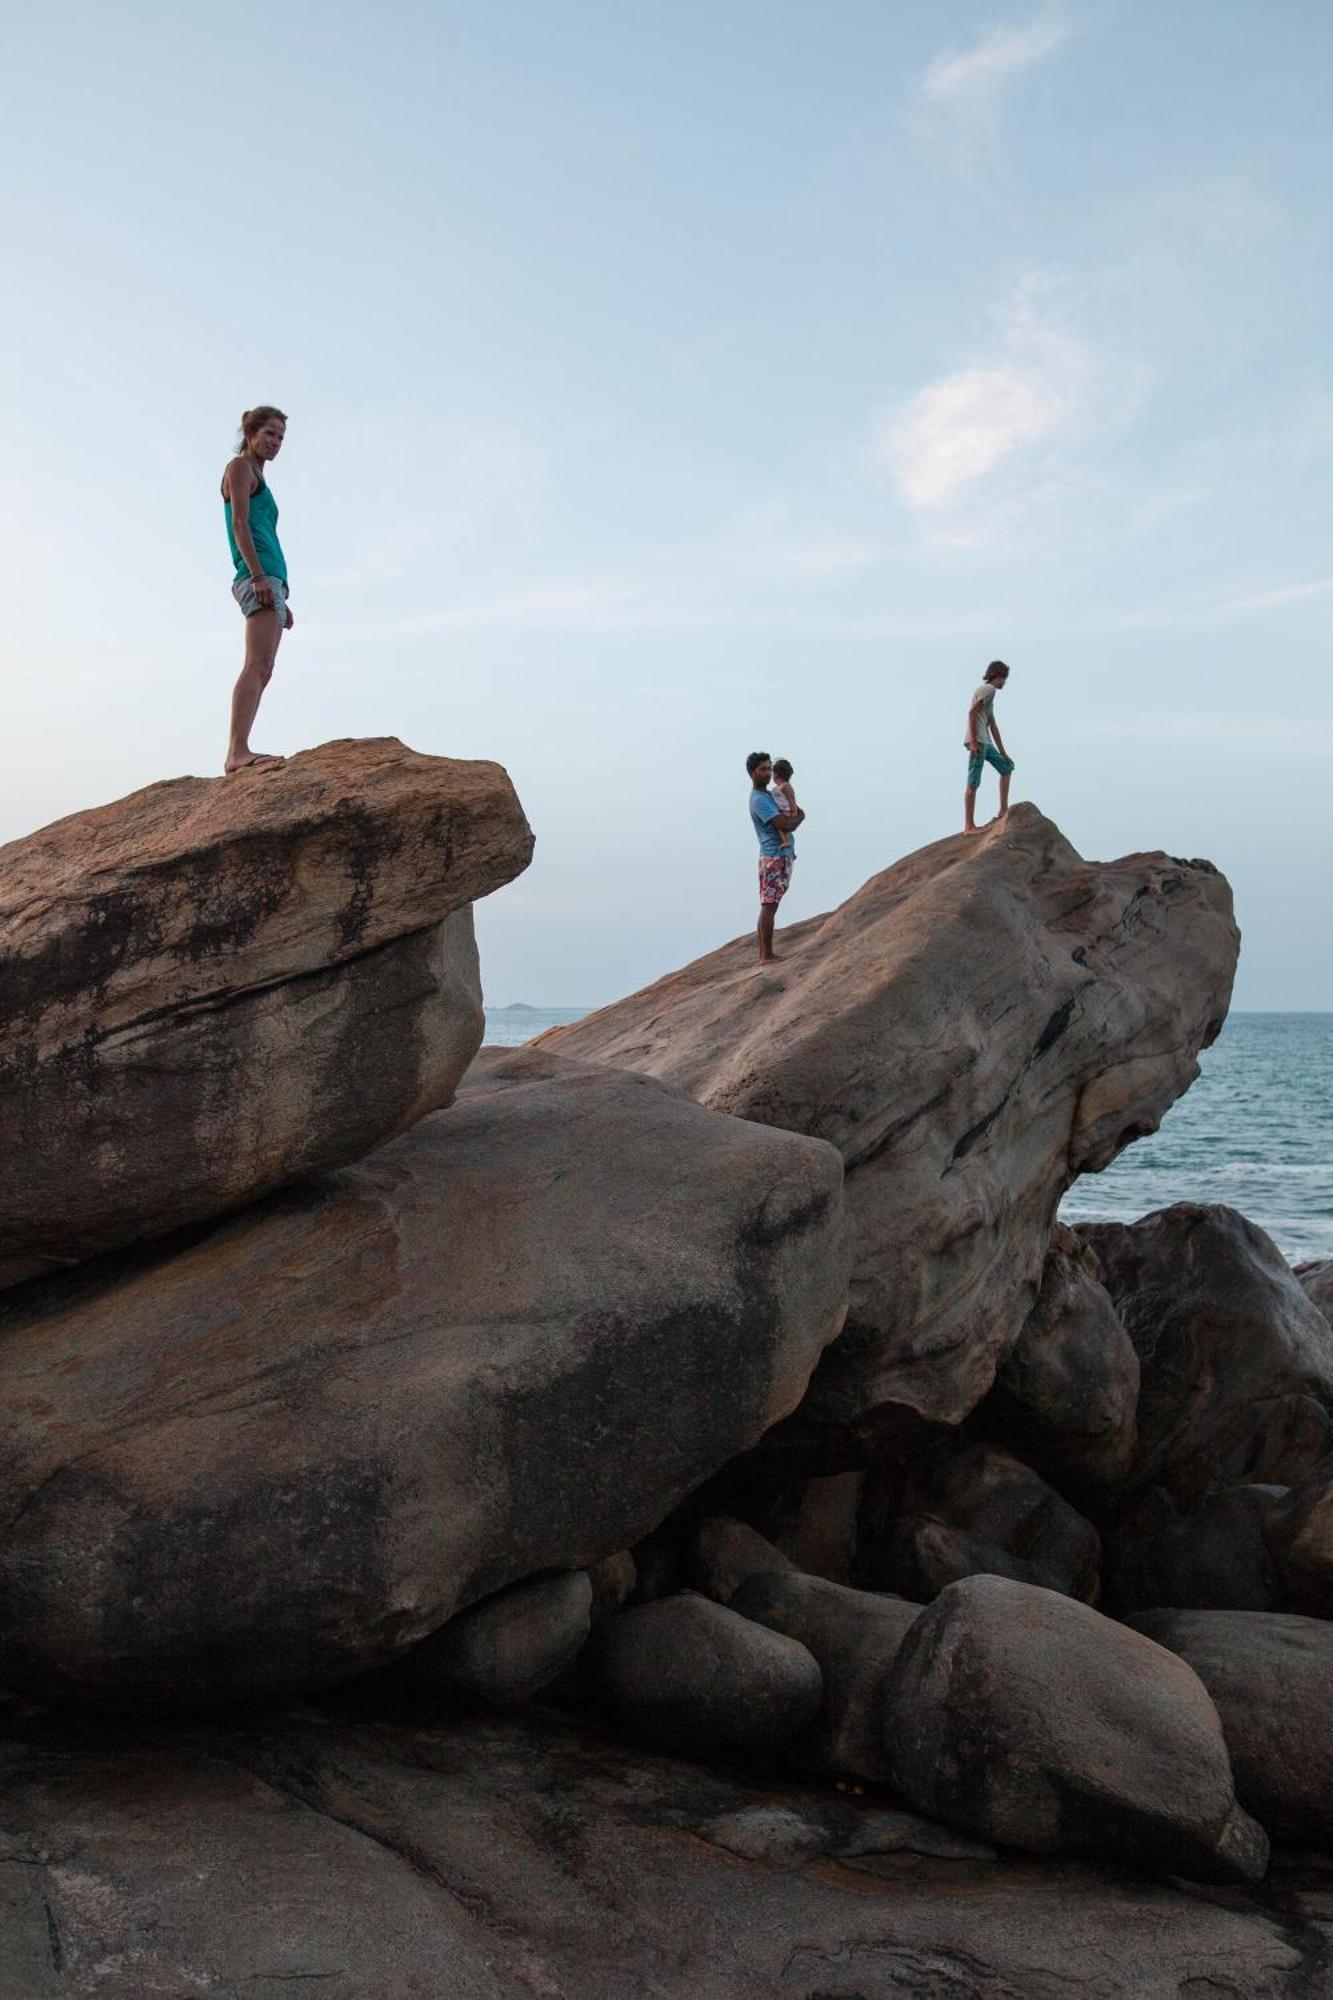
[764, 809]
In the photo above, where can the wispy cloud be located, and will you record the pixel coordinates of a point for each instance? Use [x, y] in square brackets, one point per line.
[1032, 388]
[1287, 593]
[989, 64]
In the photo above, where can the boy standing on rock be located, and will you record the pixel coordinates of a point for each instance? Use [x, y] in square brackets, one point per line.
[777, 853]
[985, 745]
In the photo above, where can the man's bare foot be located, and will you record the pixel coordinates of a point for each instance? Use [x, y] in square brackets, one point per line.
[971, 829]
[251, 760]
[769, 958]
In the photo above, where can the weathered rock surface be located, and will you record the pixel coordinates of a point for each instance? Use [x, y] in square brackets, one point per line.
[691, 1674]
[512, 1857]
[1299, 1535]
[1219, 1555]
[1316, 1279]
[1023, 1717]
[855, 1636]
[216, 986]
[973, 1029]
[1237, 1364]
[1270, 1678]
[504, 1650]
[1066, 1393]
[727, 1553]
[509, 1342]
[983, 1511]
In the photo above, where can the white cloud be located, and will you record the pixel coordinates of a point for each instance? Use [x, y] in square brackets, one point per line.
[1289, 593]
[1030, 391]
[984, 69]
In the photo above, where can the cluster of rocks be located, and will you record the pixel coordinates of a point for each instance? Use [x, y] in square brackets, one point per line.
[714, 1369]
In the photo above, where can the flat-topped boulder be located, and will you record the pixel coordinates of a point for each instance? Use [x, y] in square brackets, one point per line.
[217, 985]
[973, 1029]
[509, 1342]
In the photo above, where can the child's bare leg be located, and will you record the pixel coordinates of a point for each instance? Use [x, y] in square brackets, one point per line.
[1004, 794]
[263, 630]
[969, 811]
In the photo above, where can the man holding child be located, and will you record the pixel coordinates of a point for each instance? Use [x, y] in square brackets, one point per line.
[775, 819]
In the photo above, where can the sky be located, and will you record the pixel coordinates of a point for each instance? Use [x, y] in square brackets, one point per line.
[673, 378]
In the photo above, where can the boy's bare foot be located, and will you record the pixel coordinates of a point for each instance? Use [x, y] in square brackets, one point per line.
[251, 760]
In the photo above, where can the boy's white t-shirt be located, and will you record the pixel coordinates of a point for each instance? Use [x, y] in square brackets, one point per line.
[985, 694]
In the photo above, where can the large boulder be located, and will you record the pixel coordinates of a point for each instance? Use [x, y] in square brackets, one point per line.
[509, 1342]
[855, 1636]
[217, 985]
[1220, 1554]
[981, 1510]
[1236, 1361]
[693, 1675]
[1067, 1391]
[1270, 1679]
[1023, 1717]
[973, 1029]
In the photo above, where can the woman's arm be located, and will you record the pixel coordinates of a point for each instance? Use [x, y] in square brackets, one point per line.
[238, 482]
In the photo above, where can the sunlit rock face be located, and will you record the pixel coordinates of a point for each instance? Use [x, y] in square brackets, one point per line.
[974, 1028]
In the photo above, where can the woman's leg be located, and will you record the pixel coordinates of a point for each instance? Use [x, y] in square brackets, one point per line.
[263, 630]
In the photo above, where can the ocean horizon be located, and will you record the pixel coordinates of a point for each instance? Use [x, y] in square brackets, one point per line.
[1254, 1132]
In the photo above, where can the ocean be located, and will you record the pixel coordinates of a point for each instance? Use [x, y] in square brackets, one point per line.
[1255, 1131]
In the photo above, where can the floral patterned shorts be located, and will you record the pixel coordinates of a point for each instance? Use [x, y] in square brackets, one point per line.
[774, 877]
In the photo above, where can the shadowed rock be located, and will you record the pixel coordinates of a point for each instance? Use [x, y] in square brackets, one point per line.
[693, 1675]
[855, 1636]
[216, 986]
[509, 1342]
[1023, 1717]
[1236, 1362]
[1270, 1678]
[982, 1510]
[1217, 1555]
[727, 1553]
[506, 1649]
[1316, 1279]
[1066, 1393]
[510, 1858]
[973, 1029]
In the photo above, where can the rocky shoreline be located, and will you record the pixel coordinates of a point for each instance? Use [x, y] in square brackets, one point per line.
[663, 1511]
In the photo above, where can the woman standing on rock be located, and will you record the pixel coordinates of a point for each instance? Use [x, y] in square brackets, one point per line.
[260, 587]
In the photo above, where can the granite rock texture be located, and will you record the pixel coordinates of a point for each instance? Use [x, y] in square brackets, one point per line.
[216, 986]
[517, 1858]
[972, 1029]
[509, 1342]
[1020, 1716]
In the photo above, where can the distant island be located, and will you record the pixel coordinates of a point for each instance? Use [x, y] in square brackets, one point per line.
[516, 1007]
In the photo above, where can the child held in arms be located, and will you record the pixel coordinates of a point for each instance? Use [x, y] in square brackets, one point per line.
[781, 790]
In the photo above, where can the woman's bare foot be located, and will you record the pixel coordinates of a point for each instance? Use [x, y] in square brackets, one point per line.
[251, 760]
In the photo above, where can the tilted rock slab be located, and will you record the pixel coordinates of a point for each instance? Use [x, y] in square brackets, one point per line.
[1023, 1717]
[217, 985]
[509, 1342]
[973, 1029]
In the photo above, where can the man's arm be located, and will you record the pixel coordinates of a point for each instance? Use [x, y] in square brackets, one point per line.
[787, 822]
[999, 740]
[973, 740]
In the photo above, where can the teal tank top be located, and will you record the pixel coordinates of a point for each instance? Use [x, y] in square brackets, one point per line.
[263, 533]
